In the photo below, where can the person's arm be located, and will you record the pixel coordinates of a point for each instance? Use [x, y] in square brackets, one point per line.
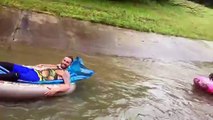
[62, 88]
[46, 65]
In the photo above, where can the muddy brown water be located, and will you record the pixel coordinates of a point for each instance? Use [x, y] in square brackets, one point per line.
[122, 88]
[139, 76]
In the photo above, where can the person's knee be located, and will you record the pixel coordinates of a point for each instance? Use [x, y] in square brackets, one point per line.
[7, 65]
[15, 76]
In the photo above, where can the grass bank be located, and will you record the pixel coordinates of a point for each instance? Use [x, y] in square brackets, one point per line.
[178, 18]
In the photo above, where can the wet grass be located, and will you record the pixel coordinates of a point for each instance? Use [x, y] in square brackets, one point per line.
[178, 18]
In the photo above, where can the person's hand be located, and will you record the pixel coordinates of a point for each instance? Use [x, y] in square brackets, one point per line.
[211, 76]
[40, 65]
[51, 91]
[60, 73]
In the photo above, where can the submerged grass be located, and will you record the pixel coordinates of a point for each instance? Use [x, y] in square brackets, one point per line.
[178, 18]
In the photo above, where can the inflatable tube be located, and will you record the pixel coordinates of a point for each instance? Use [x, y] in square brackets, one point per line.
[32, 90]
[204, 83]
[22, 91]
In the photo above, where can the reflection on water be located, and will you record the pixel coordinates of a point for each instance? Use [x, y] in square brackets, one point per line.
[122, 88]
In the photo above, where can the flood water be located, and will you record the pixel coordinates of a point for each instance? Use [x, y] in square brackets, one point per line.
[138, 76]
[123, 88]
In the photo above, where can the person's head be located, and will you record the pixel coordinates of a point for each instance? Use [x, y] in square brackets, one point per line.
[211, 76]
[66, 62]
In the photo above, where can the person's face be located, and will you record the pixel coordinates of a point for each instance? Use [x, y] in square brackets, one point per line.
[66, 62]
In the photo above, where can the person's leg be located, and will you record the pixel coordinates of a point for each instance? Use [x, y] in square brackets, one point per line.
[30, 76]
[19, 72]
[26, 73]
[8, 76]
[7, 65]
[13, 77]
[20, 69]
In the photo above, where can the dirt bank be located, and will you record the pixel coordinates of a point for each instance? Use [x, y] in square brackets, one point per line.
[68, 34]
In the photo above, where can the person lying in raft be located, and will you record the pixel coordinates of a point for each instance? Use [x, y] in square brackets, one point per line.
[40, 72]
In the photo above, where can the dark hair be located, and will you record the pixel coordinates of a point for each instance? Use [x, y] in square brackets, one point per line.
[71, 57]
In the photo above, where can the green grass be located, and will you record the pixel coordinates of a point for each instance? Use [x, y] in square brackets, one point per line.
[178, 18]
